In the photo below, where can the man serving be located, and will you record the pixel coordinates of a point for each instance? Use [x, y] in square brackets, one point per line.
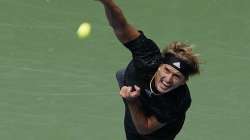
[153, 85]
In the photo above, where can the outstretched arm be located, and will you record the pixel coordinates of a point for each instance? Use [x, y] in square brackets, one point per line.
[122, 29]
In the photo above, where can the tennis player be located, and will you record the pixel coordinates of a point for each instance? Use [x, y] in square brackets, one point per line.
[153, 85]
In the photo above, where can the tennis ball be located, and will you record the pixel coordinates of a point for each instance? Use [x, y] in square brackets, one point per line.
[84, 30]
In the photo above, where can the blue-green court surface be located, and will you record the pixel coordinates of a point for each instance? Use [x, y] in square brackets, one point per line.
[55, 86]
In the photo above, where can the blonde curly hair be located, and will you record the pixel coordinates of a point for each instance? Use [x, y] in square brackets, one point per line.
[184, 52]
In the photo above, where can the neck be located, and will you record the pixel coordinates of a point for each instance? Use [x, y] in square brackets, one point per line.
[152, 86]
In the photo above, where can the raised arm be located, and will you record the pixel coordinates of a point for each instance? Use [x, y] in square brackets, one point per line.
[122, 29]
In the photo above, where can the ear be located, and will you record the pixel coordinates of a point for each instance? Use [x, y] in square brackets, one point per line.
[157, 72]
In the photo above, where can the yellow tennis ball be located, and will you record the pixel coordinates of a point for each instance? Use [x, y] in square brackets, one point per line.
[84, 30]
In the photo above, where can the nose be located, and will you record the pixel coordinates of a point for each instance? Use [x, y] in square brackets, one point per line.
[169, 78]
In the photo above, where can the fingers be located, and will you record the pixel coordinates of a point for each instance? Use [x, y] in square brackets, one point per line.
[138, 89]
[124, 91]
[128, 93]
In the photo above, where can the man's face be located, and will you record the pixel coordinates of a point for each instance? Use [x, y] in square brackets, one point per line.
[168, 78]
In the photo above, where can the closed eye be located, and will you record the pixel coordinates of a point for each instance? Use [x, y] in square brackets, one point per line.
[167, 70]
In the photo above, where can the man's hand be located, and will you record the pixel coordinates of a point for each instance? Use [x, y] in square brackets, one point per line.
[144, 124]
[130, 93]
[122, 29]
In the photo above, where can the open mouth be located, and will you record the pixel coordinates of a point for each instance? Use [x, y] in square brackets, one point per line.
[165, 84]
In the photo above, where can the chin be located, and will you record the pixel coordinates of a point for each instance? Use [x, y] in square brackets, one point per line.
[162, 91]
